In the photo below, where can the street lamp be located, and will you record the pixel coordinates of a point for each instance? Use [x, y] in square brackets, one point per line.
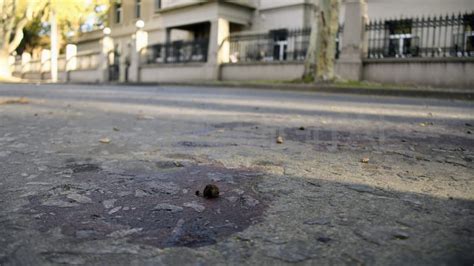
[107, 31]
[140, 24]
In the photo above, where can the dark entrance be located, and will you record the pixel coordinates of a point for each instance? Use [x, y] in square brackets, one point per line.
[114, 66]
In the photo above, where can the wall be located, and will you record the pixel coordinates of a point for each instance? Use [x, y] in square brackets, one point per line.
[384, 9]
[174, 3]
[266, 4]
[262, 71]
[90, 75]
[292, 17]
[448, 72]
[441, 72]
[290, 14]
[175, 72]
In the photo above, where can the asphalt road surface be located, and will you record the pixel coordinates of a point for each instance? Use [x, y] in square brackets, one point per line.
[114, 175]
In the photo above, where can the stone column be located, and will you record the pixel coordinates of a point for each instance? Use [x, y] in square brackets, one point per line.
[219, 47]
[12, 63]
[139, 44]
[124, 60]
[71, 60]
[167, 43]
[25, 63]
[353, 43]
[45, 61]
[107, 47]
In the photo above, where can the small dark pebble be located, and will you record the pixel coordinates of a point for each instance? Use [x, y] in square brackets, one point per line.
[401, 235]
[321, 221]
[469, 132]
[324, 239]
[178, 164]
[197, 193]
[302, 128]
[468, 125]
[211, 191]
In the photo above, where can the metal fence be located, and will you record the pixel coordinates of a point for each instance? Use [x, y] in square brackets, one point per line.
[176, 52]
[439, 36]
[276, 45]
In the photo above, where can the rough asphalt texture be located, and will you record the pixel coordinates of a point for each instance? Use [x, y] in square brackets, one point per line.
[107, 175]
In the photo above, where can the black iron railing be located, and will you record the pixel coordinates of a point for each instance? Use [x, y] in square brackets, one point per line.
[443, 36]
[176, 52]
[276, 45]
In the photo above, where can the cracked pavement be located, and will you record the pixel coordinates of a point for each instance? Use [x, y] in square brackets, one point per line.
[107, 175]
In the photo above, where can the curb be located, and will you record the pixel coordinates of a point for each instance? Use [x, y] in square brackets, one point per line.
[452, 94]
[447, 94]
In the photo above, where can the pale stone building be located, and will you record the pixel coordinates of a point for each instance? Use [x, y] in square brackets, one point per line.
[183, 40]
[244, 15]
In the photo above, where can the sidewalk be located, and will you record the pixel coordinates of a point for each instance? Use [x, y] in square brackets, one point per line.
[361, 88]
[356, 88]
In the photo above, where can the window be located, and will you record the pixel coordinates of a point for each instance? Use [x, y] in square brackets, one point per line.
[401, 42]
[118, 11]
[280, 43]
[138, 8]
[157, 5]
[463, 42]
[469, 33]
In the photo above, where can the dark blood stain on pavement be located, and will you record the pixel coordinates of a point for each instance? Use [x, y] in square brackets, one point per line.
[158, 208]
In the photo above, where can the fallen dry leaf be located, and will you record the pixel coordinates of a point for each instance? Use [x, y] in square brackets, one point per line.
[21, 100]
[425, 124]
[364, 160]
[144, 117]
[104, 140]
[279, 140]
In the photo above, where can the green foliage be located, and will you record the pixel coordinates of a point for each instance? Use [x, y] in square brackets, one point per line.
[308, 79]
[71, 14]
[33, 36]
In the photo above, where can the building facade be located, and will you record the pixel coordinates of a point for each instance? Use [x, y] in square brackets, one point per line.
[184, 40]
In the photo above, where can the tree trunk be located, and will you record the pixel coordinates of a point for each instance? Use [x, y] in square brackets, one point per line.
[11, 27]
[54, 46]
[319, 63]
[328, 24]
[310, 60]
[4, 65]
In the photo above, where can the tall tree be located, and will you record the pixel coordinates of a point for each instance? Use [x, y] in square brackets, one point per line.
[14, 15]
[34, 37]
[60, 14]
[71, 14]
[319, 65]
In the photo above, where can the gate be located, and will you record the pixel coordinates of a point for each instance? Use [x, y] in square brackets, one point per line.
[114, 66]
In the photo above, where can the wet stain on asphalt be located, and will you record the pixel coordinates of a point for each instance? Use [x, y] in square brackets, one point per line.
[158, 208]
